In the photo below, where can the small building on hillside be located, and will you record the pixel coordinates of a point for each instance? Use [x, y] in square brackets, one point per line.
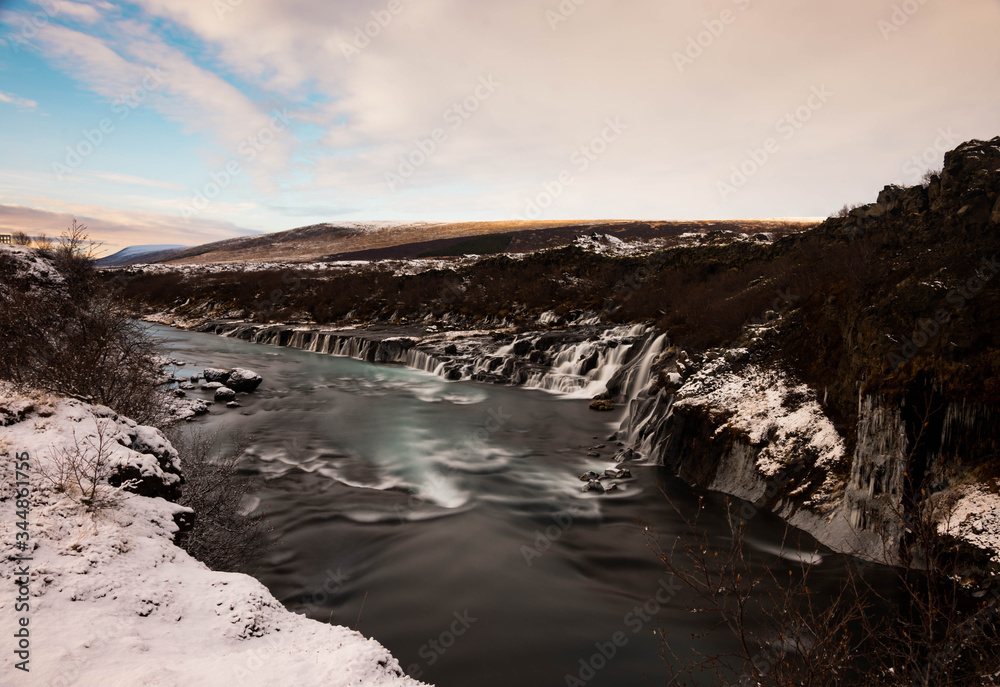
[6, 238]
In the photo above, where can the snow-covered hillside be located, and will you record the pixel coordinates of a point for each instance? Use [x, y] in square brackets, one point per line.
[109, 599]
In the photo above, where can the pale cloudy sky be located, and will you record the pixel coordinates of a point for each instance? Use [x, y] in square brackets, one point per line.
[184, 121]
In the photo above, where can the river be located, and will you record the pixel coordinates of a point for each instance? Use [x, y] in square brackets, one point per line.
[447, 520]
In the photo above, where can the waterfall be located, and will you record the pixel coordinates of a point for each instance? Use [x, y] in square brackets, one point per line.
[567, 363]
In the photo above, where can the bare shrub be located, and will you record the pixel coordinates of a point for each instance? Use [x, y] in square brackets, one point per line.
[43, 243]
[784, 635]
[927, 624]
[224, 535]
[81, 470]
[20, 239]
[75, 242]
[77, 339]
[847, 209]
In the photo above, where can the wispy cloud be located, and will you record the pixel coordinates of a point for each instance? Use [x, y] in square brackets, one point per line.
[114, 229]
[136, 181]
[18, 102]
[353, 119]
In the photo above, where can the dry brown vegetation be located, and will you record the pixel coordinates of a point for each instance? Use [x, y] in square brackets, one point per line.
[325, 240]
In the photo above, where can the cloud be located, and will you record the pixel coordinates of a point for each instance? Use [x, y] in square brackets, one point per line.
[137, 181]
[748, 64]
[23, 104]
[115, 229]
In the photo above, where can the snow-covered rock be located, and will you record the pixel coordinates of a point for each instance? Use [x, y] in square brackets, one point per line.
[243, 380]
[224, 394]
[113, 601]
[213, 374]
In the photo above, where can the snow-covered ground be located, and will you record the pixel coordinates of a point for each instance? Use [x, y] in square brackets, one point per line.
[109, 598]
[975, 519]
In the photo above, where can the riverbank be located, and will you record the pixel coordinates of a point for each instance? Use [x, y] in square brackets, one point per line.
[103, 593]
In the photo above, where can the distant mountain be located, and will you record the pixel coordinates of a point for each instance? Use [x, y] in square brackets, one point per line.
[134, 255]
[397, 240]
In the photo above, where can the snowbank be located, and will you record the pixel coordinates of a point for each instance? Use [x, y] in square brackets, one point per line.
[112, 601]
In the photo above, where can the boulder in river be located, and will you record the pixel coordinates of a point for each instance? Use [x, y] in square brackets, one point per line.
[594, 486]
[209, 386]
[589, 476]
[602, 405]
[225, 394]
[625, 454]
[243, 380]
[214, 374]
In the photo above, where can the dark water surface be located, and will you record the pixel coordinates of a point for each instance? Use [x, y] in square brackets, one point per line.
[448, 516]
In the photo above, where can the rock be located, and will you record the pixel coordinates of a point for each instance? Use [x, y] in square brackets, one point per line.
[233, 404]
[195, 378]
[451, 349]
[187, 386]
[522, 348]
[672, 382]
[736, 355]
[180, 393]
[622, 473]
[208, 386]
[214, 374]
[593, 454]
[589, 476]
[611, 487]
[995, 217]
[602, 405]
[453, 375]
[595, 486]
[243, 380]
[625, 454]
[224, 393]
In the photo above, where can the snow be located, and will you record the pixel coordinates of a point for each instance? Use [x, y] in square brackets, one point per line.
[32, 265]
[975, 519]
[767, 407]
[113, 601]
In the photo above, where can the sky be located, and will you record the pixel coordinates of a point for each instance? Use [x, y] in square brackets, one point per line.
[188, 121]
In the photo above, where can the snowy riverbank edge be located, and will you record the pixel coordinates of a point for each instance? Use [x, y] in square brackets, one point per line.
[111, 600]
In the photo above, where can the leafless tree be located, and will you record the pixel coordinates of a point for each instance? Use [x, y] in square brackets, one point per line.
[81, 470]
[224, 535]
